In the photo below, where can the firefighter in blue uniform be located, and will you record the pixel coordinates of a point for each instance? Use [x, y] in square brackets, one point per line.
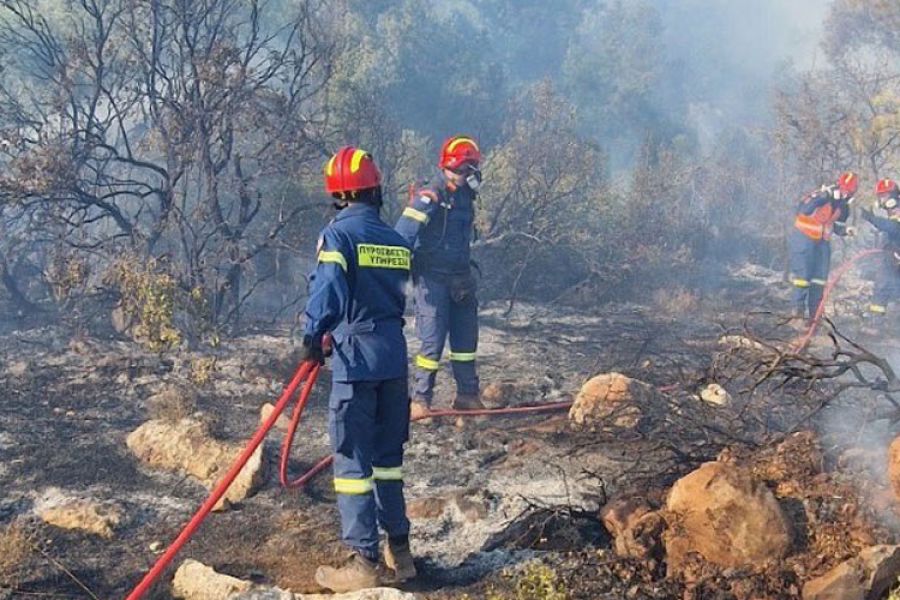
[819, 215]
[357, 296]
[439, 223]
[887, 282]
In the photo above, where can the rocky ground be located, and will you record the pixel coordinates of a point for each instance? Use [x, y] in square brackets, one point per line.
[677, 473]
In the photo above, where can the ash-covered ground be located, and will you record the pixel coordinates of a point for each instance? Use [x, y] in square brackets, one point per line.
[488, 498]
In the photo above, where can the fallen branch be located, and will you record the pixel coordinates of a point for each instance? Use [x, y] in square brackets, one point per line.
[66, 572]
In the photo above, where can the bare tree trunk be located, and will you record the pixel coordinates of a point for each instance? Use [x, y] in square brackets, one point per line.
[513, 294]
[12, 287]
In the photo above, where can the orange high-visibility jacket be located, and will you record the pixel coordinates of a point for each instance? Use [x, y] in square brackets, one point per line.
[821, 213]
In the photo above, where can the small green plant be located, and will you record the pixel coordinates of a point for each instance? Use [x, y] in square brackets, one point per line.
[148, 297]
[202, 369]
[535, 581]
[200, 318]
[539, 582]
[67, 275]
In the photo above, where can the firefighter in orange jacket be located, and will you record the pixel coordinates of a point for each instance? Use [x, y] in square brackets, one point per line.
[819, 215]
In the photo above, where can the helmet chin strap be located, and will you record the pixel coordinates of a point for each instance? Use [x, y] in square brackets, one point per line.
[373, 197]
[340, 201]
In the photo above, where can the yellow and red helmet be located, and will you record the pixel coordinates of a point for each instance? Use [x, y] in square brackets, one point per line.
[848, 183]
[351, 170]
[886, 186]
[457, 151]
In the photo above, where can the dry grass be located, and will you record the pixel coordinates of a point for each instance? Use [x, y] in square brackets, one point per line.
[676, 301]
[173, 404]
[178, 402]
[16, 550]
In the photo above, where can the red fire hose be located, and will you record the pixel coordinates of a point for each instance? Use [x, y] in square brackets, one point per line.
[307, 372]
[325, 462]
[829, 287]
[289, 441]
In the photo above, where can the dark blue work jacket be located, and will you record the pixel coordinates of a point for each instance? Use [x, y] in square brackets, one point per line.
[438, 224]
[357, 293]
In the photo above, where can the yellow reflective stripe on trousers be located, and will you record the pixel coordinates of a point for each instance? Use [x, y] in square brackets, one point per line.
[387, 473]
[415, 215]
[879, 309]
[801, 283]
[352, 486]
[429, 364]
[333, 256]
[818, 281]
[382, 257]
[462, 356]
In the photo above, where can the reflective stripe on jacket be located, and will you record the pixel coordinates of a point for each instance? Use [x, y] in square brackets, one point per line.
[818, 214]
[357, 293]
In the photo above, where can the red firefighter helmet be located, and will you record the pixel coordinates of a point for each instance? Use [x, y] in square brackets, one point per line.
[457, 151]
[886, 186]
[848, 183]
[351, 170]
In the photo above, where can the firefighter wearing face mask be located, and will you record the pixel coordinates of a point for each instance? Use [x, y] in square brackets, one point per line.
[887, 282]
[819, 216]
[439, 223]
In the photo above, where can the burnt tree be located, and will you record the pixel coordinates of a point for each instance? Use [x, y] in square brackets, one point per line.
[164, 129]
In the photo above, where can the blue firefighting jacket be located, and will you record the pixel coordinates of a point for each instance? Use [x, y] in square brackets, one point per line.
[357, 293]
[438, 224]
[890, 226]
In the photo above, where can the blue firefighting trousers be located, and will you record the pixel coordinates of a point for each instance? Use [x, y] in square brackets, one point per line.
[445, 306]
[887, 283]
[810, 263]
[369, 423]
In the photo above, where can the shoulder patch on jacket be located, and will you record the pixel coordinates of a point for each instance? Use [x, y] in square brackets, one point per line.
[382, 256]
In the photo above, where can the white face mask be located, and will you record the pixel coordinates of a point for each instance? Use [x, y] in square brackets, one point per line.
[472, 177]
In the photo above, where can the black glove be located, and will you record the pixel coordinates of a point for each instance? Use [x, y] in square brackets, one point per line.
[311, 349]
